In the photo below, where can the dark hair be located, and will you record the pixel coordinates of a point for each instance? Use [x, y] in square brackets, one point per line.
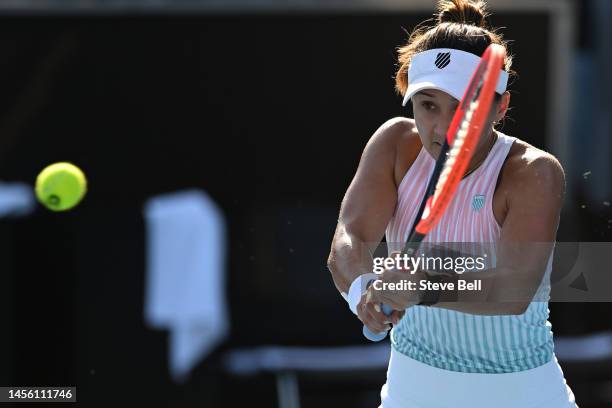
[461, 25]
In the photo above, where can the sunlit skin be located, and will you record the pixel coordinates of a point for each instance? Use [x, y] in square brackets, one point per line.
[433, 113]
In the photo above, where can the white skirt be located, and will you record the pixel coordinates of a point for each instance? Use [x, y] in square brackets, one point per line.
[411, 384]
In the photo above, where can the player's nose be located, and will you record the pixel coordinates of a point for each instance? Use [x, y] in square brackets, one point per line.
[442, 125]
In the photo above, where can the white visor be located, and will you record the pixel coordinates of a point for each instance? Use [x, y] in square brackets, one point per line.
[447, 70]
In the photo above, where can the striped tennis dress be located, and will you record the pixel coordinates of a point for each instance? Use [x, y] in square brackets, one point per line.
[454, 340]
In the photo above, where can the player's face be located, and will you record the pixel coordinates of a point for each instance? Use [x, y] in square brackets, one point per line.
[433, 113]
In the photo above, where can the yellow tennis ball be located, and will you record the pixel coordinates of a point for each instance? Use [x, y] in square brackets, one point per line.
[61, 186]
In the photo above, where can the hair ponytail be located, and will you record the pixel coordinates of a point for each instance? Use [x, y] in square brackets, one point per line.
[462, 12]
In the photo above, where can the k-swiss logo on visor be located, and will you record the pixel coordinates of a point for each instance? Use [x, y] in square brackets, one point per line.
[443, 59]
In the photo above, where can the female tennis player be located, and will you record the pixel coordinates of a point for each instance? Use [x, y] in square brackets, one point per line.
[477, 353]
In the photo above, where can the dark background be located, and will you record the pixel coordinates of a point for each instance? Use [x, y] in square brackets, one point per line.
[268, 114]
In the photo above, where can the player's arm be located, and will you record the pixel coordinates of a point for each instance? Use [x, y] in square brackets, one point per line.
[366, 209]
[534, 196]
[534, 199]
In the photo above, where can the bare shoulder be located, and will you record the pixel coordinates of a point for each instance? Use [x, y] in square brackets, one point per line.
[404, 137]
[395, 143]
[408, 137]
[395, 132]
[528, 168]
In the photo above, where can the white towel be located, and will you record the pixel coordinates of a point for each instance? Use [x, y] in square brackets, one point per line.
[16, 199]
[185, 276]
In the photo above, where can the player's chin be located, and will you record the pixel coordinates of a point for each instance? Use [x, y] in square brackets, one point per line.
[434, 149]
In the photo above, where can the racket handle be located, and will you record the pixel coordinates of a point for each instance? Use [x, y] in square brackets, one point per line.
[370, 335]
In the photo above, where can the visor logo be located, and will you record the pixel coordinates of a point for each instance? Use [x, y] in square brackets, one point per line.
[443, 59]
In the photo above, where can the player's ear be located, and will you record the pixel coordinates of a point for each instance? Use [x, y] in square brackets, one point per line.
[502, 106]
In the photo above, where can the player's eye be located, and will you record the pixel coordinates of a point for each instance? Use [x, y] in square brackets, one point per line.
[428, 106]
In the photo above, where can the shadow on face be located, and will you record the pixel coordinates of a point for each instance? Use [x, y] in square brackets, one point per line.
[433, 112]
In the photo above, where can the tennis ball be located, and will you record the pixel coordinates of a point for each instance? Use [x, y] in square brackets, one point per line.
[60, 186]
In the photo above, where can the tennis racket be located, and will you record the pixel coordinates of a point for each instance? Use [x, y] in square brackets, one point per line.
[455, 155]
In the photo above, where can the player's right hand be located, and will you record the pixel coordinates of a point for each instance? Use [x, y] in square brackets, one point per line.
[374, 319]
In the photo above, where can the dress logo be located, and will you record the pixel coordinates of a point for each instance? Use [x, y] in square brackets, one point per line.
[478, 202]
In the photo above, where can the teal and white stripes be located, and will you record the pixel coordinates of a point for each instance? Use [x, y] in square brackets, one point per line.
[470, 343]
